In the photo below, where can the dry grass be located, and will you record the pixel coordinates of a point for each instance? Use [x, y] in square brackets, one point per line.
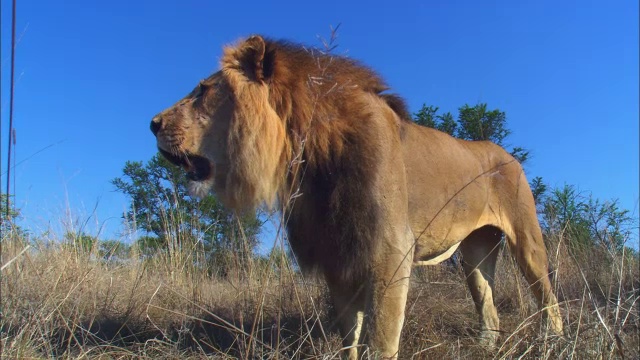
[58, 302]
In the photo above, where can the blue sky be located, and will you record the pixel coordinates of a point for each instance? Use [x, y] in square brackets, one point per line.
[91, 74]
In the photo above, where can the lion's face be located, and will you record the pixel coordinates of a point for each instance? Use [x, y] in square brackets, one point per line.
[193, 134]
[226, 134]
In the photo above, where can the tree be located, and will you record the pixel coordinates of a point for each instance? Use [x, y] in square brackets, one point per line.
[478, 123]
[563, 214]
[447, 123]
[473, 123]
[428, 116]
[8, 220]
[609, 225]
[584, 220]
[80, 242]
[539, 190]
[172, 220]
[114, 250]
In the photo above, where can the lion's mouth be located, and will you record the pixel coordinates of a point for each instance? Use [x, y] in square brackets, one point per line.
[198, 168]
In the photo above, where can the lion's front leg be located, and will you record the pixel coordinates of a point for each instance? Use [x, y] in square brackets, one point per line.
[349, 303]
[386, 300]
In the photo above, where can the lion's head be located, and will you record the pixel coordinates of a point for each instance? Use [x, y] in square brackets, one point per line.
[239, 129]
[225, 133]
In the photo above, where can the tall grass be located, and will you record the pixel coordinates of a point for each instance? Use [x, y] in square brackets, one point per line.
[71, 302]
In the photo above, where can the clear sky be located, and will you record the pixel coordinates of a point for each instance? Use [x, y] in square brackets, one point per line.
[91, 74]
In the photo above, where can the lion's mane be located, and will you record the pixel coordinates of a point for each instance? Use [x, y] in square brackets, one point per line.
[305, 137]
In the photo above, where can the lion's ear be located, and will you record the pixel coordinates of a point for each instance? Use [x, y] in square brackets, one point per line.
[255, 61]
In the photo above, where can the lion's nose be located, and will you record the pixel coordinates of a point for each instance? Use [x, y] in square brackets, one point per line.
[156, 124]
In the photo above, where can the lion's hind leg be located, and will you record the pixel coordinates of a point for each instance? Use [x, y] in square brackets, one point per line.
[528, 248]
[479, 255]
[514, 208]
[524, 237]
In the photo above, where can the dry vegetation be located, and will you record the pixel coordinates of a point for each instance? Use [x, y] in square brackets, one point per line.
[59, 301]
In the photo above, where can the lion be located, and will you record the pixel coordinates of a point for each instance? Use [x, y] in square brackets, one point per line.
[366, 193]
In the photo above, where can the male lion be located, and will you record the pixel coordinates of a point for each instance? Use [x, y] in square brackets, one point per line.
[365, 191]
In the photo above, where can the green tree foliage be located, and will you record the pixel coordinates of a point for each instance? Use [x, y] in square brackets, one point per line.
[148, 245]
[478, 123]
[85, 244]
[80, 242]
[584, 220]
[539, 190]
[8, 220]
[521, 154]
[161, 207]
[428, 116]
[114, 249]
[473, 123]
[447, 123]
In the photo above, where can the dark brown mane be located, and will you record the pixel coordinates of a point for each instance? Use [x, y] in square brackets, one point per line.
[327, 103]
[325, 72]
[322, 118]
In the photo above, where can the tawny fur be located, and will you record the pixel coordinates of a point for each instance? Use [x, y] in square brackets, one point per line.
[365, 192]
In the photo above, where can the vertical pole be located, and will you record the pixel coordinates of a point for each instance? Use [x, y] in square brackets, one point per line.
[11, 95]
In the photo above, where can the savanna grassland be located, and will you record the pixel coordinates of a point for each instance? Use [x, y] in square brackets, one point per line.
[67, 299]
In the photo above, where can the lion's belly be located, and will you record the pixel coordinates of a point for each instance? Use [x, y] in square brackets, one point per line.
[435, 247]
[438, 234]
[427, 256]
